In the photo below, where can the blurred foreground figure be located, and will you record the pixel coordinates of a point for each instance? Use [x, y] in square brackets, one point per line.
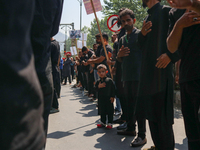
[21, 107]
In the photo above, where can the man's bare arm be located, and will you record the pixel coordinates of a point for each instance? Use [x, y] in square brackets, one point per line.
[174, 39]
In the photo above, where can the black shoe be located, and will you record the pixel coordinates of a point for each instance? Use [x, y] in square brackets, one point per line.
[138, 142]
[123, 126]
[119, 121]
[126, 132]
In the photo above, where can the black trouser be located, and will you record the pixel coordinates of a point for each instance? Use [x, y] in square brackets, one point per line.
[56, 84]
[190, 100]
[123, 107]
[109, 116]
[162, 135]
[69, 78]
[72, 73]
[131, 90]
[91, 83]
[61, 75]
[46, 82]
[84, 80]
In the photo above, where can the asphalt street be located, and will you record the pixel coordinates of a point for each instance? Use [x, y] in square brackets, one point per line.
[74, 127]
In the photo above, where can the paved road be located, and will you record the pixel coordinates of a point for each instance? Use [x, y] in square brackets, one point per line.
[74, 127]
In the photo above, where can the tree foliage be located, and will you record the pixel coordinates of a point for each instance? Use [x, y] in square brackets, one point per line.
[94, 30]
[112, 7]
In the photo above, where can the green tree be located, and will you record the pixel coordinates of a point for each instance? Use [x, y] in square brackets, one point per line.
[112, 7]
[94, 30]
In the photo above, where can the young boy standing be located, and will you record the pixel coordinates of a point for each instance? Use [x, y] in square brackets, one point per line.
[106, 94]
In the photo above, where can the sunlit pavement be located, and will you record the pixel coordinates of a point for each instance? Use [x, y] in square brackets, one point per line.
[74, 127]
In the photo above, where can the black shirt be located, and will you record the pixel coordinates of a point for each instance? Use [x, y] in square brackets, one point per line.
[153, 45]
[97, 53]
[131, 64]
[102, 53]
[189, 49]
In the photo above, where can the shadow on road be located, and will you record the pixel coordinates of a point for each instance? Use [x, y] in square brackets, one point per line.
[182, 146]
[109, 140]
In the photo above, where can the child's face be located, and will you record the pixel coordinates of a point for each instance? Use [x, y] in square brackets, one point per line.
[101, 72]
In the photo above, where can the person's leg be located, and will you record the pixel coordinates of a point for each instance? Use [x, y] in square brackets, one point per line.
[69, 77]
[118, 105]
[55, 100]
[21, 100]
[190, 100]
[103, 118]
[153, 126]
[110, 118]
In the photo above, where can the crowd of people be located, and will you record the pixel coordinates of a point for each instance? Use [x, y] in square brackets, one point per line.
[137, 72]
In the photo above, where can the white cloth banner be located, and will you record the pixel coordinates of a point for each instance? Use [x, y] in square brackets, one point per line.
[73, 50]
[80, 44]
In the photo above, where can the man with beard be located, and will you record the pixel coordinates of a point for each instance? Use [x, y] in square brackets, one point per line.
[130, 55]
[156, 80]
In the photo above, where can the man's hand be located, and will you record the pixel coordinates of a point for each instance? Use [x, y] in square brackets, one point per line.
[188, 19]
[91, 71]
[146, 28]
[113, 71]
[85, 64]
[102, 85]
[112, 99]
[124, 51]
[163, 61]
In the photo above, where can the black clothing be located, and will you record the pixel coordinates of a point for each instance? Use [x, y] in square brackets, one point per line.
[190, 104]
[21, 100]
[131, 64]
[162, 135]
[67, 68]
[97, 53]
[55, 56]
[154, 80]
[102, 53]
[45, 25]
[189, 49]
[105, 106]
[121, 33]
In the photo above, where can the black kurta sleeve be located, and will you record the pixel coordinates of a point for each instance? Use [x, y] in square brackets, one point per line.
[96, 86]
[112, 89]
[173, 56]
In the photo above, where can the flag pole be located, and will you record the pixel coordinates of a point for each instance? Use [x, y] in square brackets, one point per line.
[101, 35]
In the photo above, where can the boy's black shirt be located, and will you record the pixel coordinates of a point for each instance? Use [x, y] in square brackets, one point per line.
[109, 90]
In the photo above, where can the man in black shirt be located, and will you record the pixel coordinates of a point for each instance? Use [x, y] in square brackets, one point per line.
[45, 25]
[185, 27]
[102, 57]
[131, 56]
[21, 99]
[55, 61]
[156, 80]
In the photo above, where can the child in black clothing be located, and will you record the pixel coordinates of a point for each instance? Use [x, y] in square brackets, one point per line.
[106, 94]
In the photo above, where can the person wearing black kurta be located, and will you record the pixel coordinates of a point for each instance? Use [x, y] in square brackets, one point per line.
[55, 57]
[45, 25]
[189, 48]
[67, 70]
[105, 107]
[21, 99]
[156, 83]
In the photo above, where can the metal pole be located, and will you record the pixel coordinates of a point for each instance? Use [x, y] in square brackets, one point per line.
[81, 14]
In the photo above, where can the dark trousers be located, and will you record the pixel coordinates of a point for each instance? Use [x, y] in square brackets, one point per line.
[190, 100]
[105, 117]
[162, 135]
[131, 90]
[91, 83]
[69, 78]
[123, 107]
[61, 75]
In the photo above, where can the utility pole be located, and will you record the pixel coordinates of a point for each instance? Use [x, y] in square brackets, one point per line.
[81, 3]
